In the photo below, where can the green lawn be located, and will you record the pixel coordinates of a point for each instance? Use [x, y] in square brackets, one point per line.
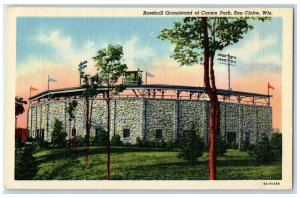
[148, 164]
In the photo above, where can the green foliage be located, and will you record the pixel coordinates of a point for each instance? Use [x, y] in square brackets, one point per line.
[262, 151]
[101, 138]
[116, 140]
[70, 110]
[246, 146]
[191, 147]
[58, 134]
[19, 108]
[25, 163]
[266, 150]
[276, 146]
[39, 145]
[109, 64]
[221, 145]
[91, 83]
[18, 142]
[139, 142]
[80, 141]
[156, 144]
[188, 36]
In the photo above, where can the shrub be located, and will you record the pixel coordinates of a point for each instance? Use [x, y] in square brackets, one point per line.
[39, 145]
[58, 134]
[139, 142]
[79, 141]
[25, 163]
[262, 151]
[18, 142]
[192, 146]
[220, 145]
[276, 146]
[101, 138]
[156, 144]
[246, 146]
[116, 140]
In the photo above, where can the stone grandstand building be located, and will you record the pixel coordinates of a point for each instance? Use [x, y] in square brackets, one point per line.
[154, 112]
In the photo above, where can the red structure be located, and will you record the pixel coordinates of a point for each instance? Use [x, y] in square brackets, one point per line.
[22, 134]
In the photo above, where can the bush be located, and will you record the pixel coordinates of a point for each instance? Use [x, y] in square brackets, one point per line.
[25, 163]
[156, 144]
[220, 145]
[262, 151]
[139, 142]
[246, 146]
[39, 145]
[101, 138]
[18, 142]
[58, 134]
[191, 147]
[80, 141]
[276, 146]
[116, 140]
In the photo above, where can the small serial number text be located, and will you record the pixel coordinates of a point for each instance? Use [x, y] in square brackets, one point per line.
[271, 183]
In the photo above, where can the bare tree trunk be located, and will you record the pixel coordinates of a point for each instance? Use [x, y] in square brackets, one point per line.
[107, 142]
[87, 139]
[74, 141]
[70, 134]
[210, 88]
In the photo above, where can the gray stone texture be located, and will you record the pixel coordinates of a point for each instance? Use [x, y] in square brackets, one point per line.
[143, 116]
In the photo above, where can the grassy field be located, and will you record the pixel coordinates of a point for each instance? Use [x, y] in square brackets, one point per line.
[148, 164]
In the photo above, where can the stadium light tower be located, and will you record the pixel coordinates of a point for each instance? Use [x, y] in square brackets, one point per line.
[81, 66]
[228, 60]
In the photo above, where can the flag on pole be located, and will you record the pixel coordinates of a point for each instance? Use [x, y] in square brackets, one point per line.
[51, 79]
[149, 74]
[33, 88]
[270, 86]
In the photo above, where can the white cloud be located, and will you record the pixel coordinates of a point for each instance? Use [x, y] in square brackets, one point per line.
[134, 55]
[254, 49]
[65, 52]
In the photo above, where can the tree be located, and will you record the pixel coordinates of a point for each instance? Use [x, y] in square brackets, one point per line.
[191, 147]
[276, 145]
[116, 140]
[58, 134]
[110, 68]
[221, 145]
[197, 39]
[90, 83]
[25, 163]
[72, 106]
[262, 151]
[19, 108]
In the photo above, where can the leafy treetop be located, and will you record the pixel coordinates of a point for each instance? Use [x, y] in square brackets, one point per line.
[188, 36]
[110, 64]
[19, 108]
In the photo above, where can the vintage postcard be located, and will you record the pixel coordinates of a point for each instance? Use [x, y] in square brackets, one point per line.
[157, 98]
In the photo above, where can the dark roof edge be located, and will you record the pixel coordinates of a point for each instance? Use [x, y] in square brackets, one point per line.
[154, 86]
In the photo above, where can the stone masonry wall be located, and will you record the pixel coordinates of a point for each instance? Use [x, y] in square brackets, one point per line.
[144, 116]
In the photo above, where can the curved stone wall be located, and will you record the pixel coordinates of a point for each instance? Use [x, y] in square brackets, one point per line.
[143, 117]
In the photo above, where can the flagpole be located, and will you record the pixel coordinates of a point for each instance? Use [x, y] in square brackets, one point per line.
[146, 77]
[48, 82]
[268, 89]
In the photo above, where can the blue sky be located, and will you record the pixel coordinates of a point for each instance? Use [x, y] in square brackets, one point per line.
[142, 31]
[82, 30]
